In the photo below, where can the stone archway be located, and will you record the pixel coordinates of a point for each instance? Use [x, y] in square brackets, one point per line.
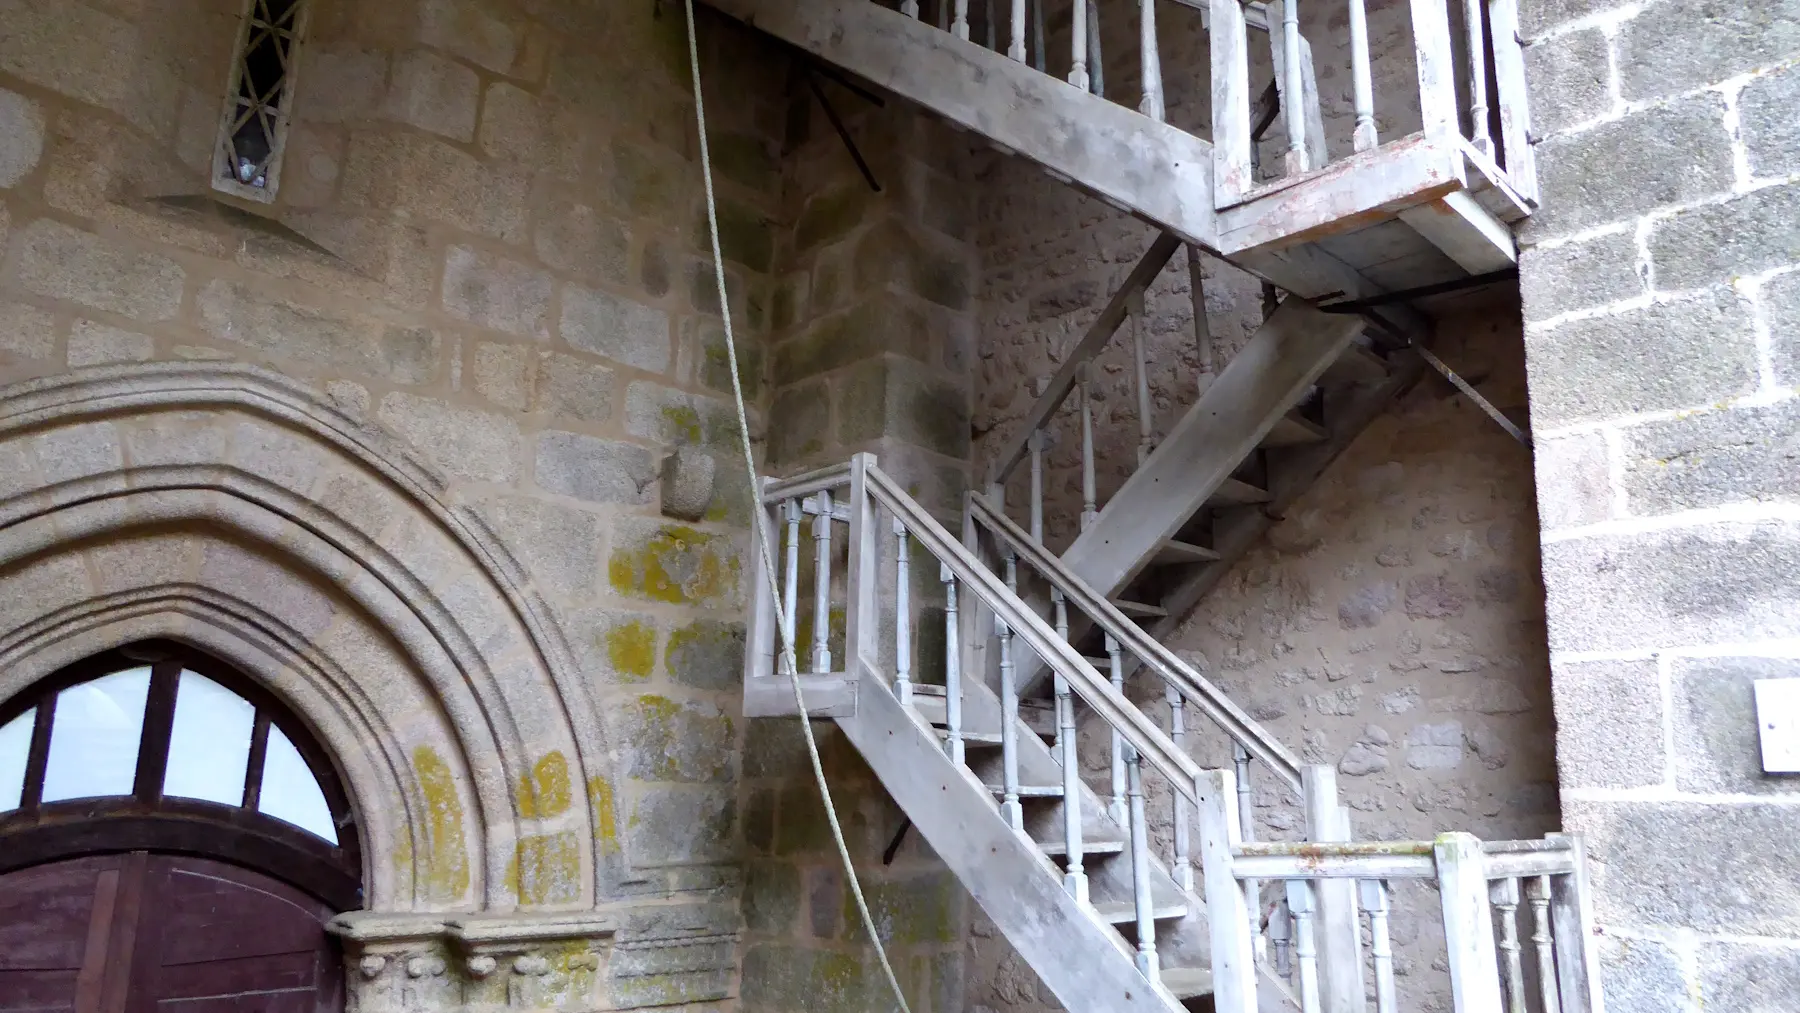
[235, 509]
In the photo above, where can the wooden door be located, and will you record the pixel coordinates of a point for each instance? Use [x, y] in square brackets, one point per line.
[144, 933]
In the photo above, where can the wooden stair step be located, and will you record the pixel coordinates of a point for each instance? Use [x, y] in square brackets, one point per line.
[1124, 912]
[1060, 849]
[973, 739]
[1233, 492]
[1030, 790]
[1188, 982]
[1294, 430]
[1174, 551]
[1138, 609]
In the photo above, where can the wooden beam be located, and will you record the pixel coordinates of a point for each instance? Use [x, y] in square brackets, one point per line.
[1099, 333]
[827, 696]
[1457, 225]
[1363, 189]
[1083, 960]
[1153, 170]
[1285, 357]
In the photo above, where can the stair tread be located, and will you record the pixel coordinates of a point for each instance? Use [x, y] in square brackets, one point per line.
[1175, 551]
[1233, 492]
[973, 738]
[1031, 790]
[1095, 847]
[1138, 608]
[1124, 912]
[1188, 982]
[1293, 430]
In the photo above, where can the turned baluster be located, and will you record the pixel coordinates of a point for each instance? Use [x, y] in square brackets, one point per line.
[910, 8]
[993, 41]
[1183, 869]
[1096, 66]
[1240, 759]
[1140, 866]
[1381, 947]
[959, 26]
[1152, 104]
[1115, 659]
[902, 614]
[1078, 46]
[1537, 891]
[1306, 948]
[1074, 876]
[1476, 19]
[1293, 103]
[790, 591]
[821, 652]
[1089, 487]
[953, 738]
[1009, 707]
[1504, 893]
[1016, 49]
[1362, 79]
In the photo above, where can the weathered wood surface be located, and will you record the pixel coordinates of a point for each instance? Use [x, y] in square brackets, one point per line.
[1285, 357]
[1154, 170]
[1465, 231]
[1076, 953]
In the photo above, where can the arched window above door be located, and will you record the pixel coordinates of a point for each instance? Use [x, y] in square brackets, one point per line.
[150, 746]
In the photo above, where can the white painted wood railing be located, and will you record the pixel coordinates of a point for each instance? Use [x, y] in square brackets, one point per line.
[1470, 90]
[1481, 888]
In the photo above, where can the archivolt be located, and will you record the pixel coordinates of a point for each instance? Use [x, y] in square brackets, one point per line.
[234, 508]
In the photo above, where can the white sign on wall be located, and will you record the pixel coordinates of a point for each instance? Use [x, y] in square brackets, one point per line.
[1778, 724]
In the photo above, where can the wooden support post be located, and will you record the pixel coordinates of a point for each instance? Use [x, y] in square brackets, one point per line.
[1230, 44]
[1468, 924]
[1437, 68]
[1572, 925]
[1340, 943]
[862, 625]
[1228, 916]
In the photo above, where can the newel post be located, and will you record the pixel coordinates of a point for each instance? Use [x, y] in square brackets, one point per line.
[862, 621]
[1437, 68]
[1227, 910]
[765, 640]
[1340, 932]
[1468, 924]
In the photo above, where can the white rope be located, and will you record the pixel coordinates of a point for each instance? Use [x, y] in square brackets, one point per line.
[759, 530]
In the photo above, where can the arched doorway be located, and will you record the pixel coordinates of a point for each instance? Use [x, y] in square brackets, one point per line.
[171, 839]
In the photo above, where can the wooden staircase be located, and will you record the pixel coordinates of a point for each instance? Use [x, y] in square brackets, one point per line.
[1106, 917]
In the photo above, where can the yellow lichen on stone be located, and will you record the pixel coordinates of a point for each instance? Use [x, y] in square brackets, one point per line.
[678, 565]
[631, 647]
[606, 824]
[544, 792]
[445, 876]
[546, 869]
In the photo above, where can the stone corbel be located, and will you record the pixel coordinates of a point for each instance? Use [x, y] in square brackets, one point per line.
[398, 960]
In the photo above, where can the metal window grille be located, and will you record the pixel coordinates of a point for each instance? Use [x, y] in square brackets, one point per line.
[254, 125]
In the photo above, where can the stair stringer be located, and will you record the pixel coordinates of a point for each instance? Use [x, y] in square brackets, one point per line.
[1155, 171]
[1282, 361]
[1084, 961]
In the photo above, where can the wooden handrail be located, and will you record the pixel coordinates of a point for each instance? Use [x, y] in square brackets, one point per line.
[1096, 690]
[1209, 698]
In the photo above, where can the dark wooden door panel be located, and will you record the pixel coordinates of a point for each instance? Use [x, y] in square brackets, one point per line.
[55, 923]
[142, 933]
[219, 939]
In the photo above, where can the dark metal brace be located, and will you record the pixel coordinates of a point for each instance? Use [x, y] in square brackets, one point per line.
[842, 132]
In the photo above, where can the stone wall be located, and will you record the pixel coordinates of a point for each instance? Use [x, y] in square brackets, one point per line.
[872, 335]
[488, 249]
[1661, 305]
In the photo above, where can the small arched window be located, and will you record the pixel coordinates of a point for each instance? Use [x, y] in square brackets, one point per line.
[147, 748]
